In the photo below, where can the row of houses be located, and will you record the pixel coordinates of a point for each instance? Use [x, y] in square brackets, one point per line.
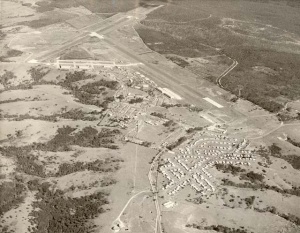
[192, 161]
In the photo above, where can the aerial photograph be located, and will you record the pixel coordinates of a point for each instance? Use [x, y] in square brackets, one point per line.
[150, 116]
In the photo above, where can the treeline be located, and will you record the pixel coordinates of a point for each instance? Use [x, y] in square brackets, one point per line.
[87, 137]
[110, 84]
[169, 123]
[26, 161]
[136, 100]
[107, 165]
[249, 201]
[77, 114]
[10, 53]
[217, 228]
[293, 142]
[11, 101]
[294, 160]
[293, 191]
[82, 75]
[179, 61]
[77, 76]
[195, 109]
[74, 114]
[177, 143]
[272, 209]
[157, 114]
[2, 33]
[165, 105]
[229, 168]
[195, 129]
[196, 200]
[191, 108]
[6, 77]
[252, 177]
[12, 194]
[261, 101]
[37, 73]
[293, 3]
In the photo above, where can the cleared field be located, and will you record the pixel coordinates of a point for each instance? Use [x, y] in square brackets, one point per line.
[164, 43]
[104, 6]
[83, 21]
[77, 53]
[15, 12]
[35, 41]
[48, 18]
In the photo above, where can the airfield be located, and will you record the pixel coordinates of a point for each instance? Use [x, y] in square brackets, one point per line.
[102, 113]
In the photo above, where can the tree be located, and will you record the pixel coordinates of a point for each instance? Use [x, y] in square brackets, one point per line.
[19, 133]
[6, 77]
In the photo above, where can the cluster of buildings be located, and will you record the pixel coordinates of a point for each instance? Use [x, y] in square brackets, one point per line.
[152, 120]
[133, 85]
[82, 64]
[190, 165]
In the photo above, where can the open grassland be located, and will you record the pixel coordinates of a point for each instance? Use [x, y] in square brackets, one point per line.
[103, 6]
[49, 182]
[49, 18]
[261, 36]
[44, 13]
[76, 53]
